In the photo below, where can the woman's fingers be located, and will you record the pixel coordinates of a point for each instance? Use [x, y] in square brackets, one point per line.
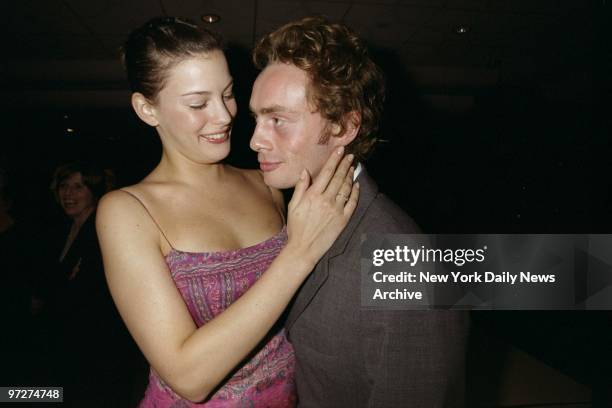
[300, 188]
[344, 192]
[340, 178]
[320, 182]
[351, 204]
[316, 218]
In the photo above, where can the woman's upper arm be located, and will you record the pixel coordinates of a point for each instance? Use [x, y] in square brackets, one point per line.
[140, 282]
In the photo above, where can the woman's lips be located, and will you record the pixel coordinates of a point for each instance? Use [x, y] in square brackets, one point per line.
[216, 138]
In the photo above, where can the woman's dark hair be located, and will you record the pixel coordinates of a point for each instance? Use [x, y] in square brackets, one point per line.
[157, 46]
[93, 177]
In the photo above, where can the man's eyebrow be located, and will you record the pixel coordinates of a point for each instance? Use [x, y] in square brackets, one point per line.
[272, 109]
[229, 85]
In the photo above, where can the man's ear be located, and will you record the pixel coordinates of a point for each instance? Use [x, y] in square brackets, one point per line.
[144, 109]
[352, 125]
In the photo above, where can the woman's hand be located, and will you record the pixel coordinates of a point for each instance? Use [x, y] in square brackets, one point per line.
[319, 212]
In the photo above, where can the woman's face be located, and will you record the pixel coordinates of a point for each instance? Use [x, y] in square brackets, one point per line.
[195, 109]
[75, 197]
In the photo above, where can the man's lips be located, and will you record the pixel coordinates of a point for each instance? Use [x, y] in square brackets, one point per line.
[266, 166]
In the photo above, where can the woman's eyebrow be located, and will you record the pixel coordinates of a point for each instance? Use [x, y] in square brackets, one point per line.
[231, 82]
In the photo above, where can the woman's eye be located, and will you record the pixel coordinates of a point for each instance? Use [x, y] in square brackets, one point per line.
[228, 96]
[198, 106]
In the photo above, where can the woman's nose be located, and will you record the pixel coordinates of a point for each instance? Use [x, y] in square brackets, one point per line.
[222, 114]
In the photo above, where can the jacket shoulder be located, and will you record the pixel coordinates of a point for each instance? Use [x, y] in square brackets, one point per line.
[384, 216]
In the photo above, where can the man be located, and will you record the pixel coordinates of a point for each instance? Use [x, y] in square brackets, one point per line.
[319, 90]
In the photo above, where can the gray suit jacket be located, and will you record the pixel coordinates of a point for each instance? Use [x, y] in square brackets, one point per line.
[348, 356]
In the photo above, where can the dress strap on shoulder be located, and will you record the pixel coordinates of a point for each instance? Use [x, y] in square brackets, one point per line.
[150, 215]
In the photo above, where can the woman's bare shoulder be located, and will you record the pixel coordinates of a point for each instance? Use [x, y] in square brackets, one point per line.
[123, 219]
[124, 203]
[254, 174]
[253, 177]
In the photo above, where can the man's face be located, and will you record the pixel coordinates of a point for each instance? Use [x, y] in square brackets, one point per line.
[288, 130]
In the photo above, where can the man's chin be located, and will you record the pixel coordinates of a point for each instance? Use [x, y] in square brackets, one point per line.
[279, 183]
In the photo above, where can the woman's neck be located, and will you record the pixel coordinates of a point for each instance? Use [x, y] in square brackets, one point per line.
[79, 220]
[189, 172]
[77, 223]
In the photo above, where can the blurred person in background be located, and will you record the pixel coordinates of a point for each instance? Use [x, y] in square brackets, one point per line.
[90, 345]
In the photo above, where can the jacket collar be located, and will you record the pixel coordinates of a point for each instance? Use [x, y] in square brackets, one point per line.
[368, 191]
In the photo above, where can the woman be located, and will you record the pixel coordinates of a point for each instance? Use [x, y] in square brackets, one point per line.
[77, 188]
[182, 247]
[79, 309]
[79, 275]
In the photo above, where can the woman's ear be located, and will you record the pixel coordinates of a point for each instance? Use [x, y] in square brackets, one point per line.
[144, 109]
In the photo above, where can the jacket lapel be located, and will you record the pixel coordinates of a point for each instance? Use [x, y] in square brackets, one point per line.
[317, 278]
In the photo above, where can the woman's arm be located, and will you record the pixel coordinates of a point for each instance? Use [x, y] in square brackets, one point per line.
[193, 361]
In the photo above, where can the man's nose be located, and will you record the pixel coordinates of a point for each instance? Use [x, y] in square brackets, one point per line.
[259, 141]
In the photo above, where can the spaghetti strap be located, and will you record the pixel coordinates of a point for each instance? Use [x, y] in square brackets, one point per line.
[150, 215]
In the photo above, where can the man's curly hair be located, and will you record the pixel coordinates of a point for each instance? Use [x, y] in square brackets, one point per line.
[343, 77]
